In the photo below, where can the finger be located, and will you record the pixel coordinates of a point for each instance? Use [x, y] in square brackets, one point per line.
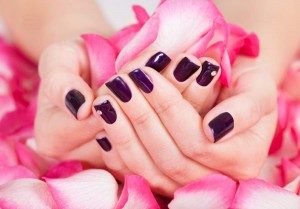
[203, 91]
[182, 71]
[64, 75]
[54, 130]
[243, 156]
[157, 60]
[254, 96]
[124, 139]
[111, 157]
[151, 131]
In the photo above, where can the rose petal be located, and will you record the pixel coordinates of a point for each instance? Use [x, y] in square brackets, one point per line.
[240, 42]
[213, 191]
[14, 172]
[136, 194]
[102, 57]
[296, 159]
[26, 193]
[270, 172]
[8, 156]
[294, 186]
[168, 31]
[87, 189]
[289, 171]
[64, 169]
[28, 158]
[140, 13]
[124, 36]
[142, 40]
[256, 193]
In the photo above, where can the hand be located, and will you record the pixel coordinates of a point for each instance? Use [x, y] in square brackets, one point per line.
[143, 114]
[65, 96]
[242, 124]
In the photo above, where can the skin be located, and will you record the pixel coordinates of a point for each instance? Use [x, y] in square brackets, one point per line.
[170, 107]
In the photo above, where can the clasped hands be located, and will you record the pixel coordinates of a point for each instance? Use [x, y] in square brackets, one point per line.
[166, 119]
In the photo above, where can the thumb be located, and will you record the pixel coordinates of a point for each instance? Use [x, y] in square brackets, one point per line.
[64, 73]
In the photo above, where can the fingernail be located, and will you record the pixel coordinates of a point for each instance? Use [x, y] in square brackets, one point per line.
[106, 111]
[104, 144]
[185, 69]
[221, 125]
[142, 80]
[120, 89]
[158, 61]
[208, 72]
[73, 101]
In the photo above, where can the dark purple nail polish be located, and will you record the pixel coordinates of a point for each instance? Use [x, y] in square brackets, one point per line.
[104, 144]
[208, 72]
[158, 61]
[221, 125]
[142, 80]
[185, 69]
[106, 111]
[74, 100]
[120, 89]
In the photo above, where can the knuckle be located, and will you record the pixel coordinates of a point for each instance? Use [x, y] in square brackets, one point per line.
[254, 108]
[123, 143]
[165, 106]
[141, 119]
[198, 152]
[175, 169]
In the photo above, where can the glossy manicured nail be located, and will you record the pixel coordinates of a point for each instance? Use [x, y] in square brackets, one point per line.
[120, 89]
[185, 69]
[142, 80]
[158, 61]
[73, 101]
[104, 144]
[208, 72]
[221, 125]
[106, 111]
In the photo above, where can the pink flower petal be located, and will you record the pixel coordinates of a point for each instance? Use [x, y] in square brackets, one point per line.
[14, 172]
[102, 57]
[87, 189]
[26, 193]
[64, 169]
[142, 40]
[256, 193]
[8, 156]
[124, 36]
[136, 194]
[289, 171]
[296, 159]
[213, 191]
[140, 13]
[28, 158]
[270, 172]
[168, 31]
[294, 186]
[241, 43]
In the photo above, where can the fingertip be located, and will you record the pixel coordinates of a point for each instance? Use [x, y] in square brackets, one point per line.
[210, 72]
[78, 101]
[218, 126]
[103, 109]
